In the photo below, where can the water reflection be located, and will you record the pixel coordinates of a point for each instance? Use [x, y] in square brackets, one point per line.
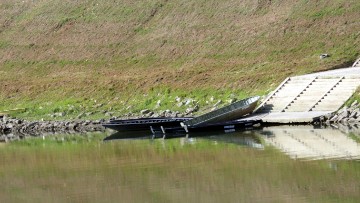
[309, 142]
[193, 168]
[128, 135]
[246, 138]
[299, 142]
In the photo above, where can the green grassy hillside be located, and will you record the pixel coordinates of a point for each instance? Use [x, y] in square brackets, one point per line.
[79, 56]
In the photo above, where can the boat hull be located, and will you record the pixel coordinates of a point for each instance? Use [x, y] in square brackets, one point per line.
[143, 124]
[222, 126]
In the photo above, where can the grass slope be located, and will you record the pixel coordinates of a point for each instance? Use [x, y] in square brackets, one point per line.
[126, 55]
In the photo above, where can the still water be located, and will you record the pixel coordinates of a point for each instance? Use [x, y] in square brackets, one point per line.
[274, 164]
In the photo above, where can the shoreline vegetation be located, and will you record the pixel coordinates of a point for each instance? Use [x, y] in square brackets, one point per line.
[159, 103]
[11, 129]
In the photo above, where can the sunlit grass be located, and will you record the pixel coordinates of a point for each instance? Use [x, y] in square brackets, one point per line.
[195, 48]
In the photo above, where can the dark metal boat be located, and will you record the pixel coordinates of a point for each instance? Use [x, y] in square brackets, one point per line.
[228, 113]
[222, 119]
[143, 124]
[229, 126]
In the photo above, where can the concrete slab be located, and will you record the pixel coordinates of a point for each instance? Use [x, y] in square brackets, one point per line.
[303, 99]
[293, 117]
[353, 71]
[286, 117]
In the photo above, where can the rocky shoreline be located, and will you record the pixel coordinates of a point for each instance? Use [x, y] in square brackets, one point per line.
[13, 129]
[345, 116]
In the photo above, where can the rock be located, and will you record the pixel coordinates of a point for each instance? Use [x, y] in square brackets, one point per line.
[187, 102]
[344, 113]
[230, 101]
[109, 114]
[333, 118]
[355, 103]
[158, 103]
[3, 138]
[354, 114]
[162, 113]
[168, 113]
[353, 108]
[175, 114]
[60, 114]
[352, 120]
[192, 110]
[180, 115]
[327, 122]
[155, 115]
[328, 116]
[323, 56]
[344, 120]
[80, 115]
[98, 105]
[9, 125]
[217, 103]
[145, 111]
[149, 114]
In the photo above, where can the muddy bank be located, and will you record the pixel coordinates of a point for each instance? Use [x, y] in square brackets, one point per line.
[12, 128]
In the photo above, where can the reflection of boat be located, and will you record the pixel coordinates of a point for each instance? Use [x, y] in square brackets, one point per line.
[240, 137]
[142, 124]
[246, 138]
[129, 135]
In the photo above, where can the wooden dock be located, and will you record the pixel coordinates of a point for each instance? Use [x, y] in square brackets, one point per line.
[303, 99]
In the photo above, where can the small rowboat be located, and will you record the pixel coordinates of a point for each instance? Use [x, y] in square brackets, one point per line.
[222, 118]
[142, 124]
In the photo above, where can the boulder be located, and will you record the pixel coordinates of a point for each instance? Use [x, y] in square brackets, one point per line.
[354, 113]
[145, 111]
[323, 56]
[355, 103]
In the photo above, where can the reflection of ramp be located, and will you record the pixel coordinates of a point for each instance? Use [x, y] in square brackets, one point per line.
[309, 143]
[227, 113]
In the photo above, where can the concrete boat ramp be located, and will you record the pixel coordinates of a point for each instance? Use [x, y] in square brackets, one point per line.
[304, 99]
